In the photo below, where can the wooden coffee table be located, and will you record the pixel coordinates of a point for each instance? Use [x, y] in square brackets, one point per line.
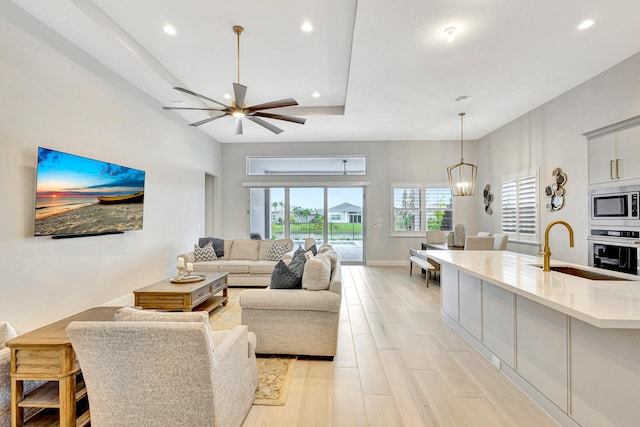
[196, 296]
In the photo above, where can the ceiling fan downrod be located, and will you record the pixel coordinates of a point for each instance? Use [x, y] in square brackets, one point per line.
[238, 30]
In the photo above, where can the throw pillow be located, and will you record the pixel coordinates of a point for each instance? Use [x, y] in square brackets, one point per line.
[317, 273]
[204, 254]
[283, 278]
[6, 333]
[277, 251]
[313, 249]
[289, 276]
[218, 244]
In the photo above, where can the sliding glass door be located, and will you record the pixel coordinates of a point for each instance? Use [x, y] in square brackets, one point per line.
[344, 222]
[328, 214]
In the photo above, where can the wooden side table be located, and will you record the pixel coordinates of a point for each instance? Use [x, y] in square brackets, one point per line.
[46, 354]
[196, 296]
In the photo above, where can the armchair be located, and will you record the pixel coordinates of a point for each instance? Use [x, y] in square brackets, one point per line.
[165, 373]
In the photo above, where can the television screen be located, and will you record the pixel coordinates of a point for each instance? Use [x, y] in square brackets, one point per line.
[77, 196]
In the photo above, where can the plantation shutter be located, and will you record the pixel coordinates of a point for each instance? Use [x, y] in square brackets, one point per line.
[439, 209]
[407, 205]
[519, 210]
[509, 207]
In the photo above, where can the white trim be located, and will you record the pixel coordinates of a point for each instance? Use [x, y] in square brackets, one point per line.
[268, 184]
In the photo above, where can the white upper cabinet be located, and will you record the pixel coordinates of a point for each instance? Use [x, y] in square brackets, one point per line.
[628, 151]
[602, 152]
[615, 156]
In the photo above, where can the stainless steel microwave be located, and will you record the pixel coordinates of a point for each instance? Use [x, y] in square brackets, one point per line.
[620, 206]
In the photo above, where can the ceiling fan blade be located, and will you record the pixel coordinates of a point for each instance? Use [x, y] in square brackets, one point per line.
[289, 102]
[238, 126]
[210, 119]
[187, 91]
[239, 91]
[190, 108]
[264, 124]
[292, 119]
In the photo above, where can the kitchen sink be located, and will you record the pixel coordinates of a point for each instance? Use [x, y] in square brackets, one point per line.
[585, 274]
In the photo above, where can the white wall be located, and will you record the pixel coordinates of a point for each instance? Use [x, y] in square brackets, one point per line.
[54, 95]
[387, 163]
[551, 136]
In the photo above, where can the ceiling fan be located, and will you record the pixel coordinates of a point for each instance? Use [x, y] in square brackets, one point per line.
[239, 109]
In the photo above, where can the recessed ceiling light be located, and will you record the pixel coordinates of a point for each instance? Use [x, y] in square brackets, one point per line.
[451, 33]
[306, 27]
[316, 94]
[586, 24]
[226, 96]
[170, 29]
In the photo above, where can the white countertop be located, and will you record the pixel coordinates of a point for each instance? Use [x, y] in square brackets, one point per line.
[601, 303]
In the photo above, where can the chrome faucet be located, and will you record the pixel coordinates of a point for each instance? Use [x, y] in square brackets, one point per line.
[547, 251]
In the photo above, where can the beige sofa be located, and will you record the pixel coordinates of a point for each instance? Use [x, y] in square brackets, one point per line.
[244, 260]
[295, 321]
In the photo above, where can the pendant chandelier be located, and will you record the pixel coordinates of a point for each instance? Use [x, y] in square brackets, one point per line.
[462, 176]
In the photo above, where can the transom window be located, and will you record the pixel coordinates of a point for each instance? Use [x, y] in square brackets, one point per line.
[332, 165]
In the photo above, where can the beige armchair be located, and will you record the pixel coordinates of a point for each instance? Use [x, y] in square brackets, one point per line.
[165, 373]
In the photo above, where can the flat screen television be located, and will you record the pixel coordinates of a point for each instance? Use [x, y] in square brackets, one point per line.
[77, 196]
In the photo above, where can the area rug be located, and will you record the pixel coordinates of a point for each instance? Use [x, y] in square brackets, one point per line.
[227, 316]
[274, 373]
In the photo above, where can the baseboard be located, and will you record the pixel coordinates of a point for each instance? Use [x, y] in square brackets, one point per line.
[126, 300]
[389, 263]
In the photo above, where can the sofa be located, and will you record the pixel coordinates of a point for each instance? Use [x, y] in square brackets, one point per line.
[6, 333]
[245, 260]
[295, 321]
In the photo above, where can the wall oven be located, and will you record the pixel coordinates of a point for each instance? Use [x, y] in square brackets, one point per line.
[617, 250]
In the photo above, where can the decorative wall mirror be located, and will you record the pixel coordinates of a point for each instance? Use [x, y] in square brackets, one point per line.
[488, 198]
[555, 191]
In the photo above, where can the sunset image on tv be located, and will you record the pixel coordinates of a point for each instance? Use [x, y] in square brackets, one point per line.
[77, 195]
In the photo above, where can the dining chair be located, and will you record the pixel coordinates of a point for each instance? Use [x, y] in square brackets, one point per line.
[500, 243]
[479, 243]
[435, 236]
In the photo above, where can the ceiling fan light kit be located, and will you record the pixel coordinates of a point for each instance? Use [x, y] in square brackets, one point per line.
[238, 109]
[462, 176]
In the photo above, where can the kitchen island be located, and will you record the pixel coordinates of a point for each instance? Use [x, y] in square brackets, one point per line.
[570, 343]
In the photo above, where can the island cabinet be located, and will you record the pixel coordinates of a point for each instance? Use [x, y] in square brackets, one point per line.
[579, 373]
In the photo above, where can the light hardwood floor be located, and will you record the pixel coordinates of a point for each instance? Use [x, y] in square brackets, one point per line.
[398, 364]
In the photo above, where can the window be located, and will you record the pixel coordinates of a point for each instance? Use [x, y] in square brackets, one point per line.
[407, 206]
[439, 209]
[333, 165]
[519, 210]
[417, 208]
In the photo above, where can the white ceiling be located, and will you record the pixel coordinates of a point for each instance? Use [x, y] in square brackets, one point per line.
[383, 68]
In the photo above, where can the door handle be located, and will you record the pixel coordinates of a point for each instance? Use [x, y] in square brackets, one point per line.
[617, 168]
[611, 169]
